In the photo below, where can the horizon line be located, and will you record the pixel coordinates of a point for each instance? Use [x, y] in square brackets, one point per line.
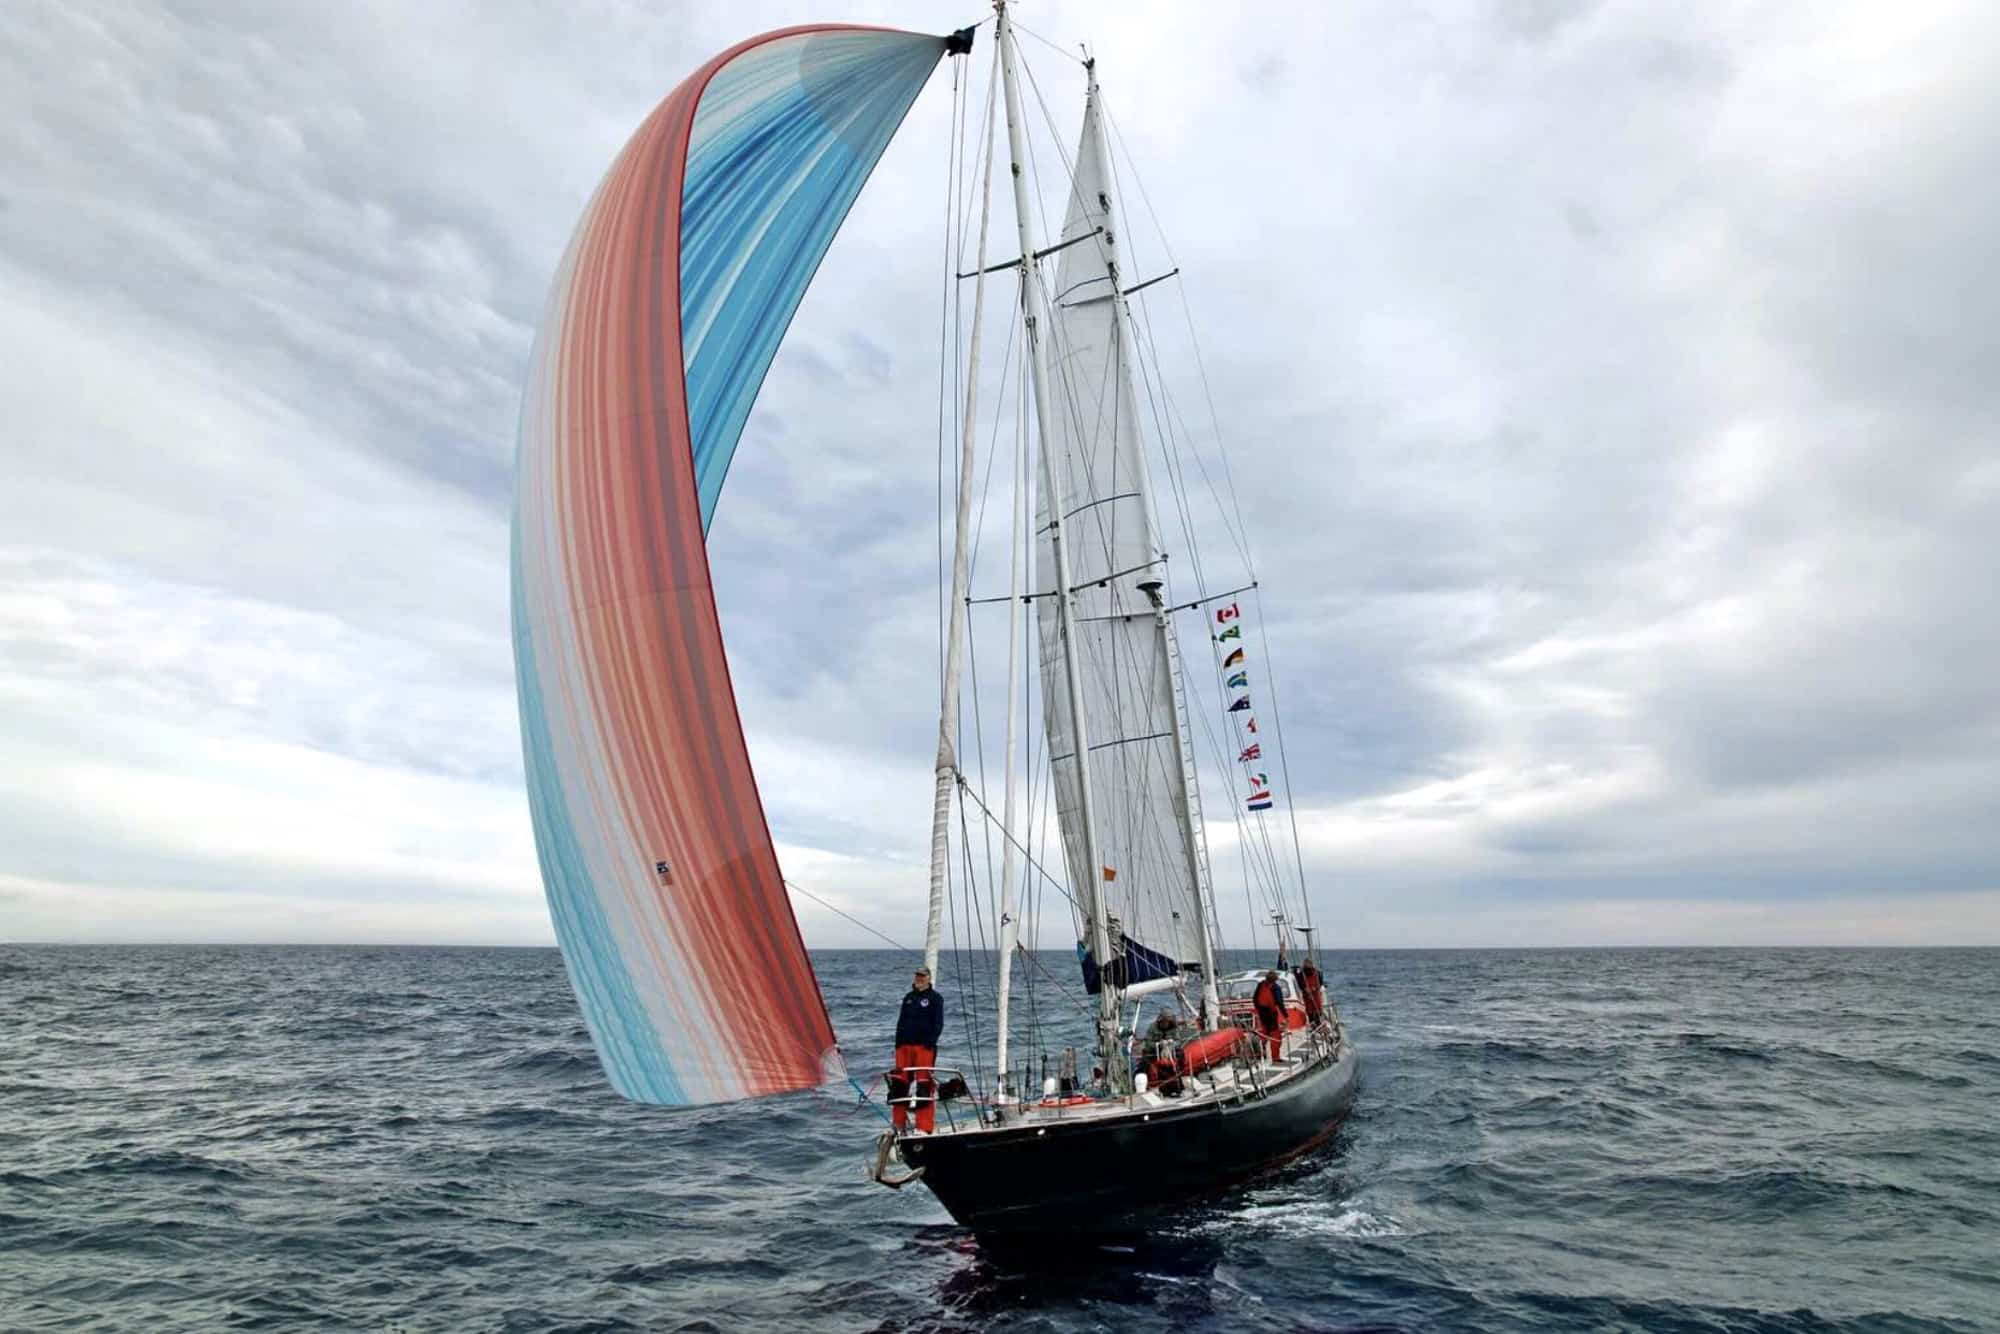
[884, 949]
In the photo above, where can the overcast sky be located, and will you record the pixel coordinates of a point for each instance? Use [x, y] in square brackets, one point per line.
[1613, 393]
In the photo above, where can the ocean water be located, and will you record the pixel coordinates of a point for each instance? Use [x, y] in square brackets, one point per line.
[420, 1139]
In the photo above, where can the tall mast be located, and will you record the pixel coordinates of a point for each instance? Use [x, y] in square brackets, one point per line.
[1032, 303]
[947, 756]
[1190, 796]
[1010, 928]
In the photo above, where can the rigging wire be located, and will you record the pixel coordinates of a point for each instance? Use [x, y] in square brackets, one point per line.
[1040, 777]
[893, 944]
[1043, 791]
[1144, 847]
[1177, 484]
[1152, 376]
[1153, 379]
[1062, 991]
[1016, 25]
[950, 425]
[1260, 826]
[982, 178]
[1077, 914]
[947, 359]
[1055, 137]
[971, 630]
[1238, 531]
[985, 137]
[1035, 766]
[976, 928]
[1034, 170]
[966, 788]
[1028, 905]
[1187, 311]
[964, 179]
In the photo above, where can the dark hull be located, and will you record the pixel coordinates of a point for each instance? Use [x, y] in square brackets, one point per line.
[1101, 1175]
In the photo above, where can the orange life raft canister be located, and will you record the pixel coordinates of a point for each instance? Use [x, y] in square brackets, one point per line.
[1209, 1049]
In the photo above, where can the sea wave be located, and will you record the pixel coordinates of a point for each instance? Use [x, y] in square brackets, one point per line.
[380, 1139]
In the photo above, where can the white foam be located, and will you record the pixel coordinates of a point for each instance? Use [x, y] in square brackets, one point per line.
[1361, 1223]
[1324, 1218]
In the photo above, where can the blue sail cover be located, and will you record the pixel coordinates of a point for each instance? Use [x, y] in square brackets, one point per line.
[1136, 964]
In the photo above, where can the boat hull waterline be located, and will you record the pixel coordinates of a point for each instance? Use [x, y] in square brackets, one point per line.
[1098, 1173]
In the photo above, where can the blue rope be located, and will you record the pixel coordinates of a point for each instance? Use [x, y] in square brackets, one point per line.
[861, 1095]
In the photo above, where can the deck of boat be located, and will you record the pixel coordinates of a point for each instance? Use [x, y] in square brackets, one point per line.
[1089, 1165]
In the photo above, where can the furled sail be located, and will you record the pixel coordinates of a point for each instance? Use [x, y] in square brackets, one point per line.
[1100, 468]
[664, 316]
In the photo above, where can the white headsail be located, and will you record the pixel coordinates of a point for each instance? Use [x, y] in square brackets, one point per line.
[1147, 874]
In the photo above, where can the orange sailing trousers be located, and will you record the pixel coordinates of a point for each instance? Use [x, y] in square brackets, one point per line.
[1271, 1024]
[913, 1070]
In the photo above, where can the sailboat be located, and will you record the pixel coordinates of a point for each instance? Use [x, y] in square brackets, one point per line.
[663, 883]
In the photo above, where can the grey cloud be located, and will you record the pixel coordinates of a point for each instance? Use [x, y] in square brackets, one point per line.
[1539, 20]
[1605, 384]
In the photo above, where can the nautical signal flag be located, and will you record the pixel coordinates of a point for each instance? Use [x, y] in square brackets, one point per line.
[1232, 660]
[1110, 874]
[1240, 705]
[1233, 632]
[1250, 726]
[1224, 615]
[1260, 780]
[1260, 801]
[1250, 752]
[1238, 681]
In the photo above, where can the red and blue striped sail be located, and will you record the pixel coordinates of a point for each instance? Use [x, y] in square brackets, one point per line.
[665, 314]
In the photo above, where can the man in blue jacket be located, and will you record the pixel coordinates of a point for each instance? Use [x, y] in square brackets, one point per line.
[917, 1030]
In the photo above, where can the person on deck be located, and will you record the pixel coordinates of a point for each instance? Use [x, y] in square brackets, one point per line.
[1165, 1029]
[1269, 1001]
[1311, 991]
[917, 1028]
[1156, 1054]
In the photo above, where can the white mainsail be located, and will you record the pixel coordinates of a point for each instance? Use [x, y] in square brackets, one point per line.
[1146, 879]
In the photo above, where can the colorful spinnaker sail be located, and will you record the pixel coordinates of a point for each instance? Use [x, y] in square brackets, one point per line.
[664, 316]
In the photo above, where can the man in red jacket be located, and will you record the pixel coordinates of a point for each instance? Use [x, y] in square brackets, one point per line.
[1269, 1001]
[1310, 991]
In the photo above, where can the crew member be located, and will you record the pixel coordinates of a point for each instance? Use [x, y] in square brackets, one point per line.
[1310, 991]
[1156, 1054]
[917, 1029]
[1269, 1001]
[1165, 1025]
